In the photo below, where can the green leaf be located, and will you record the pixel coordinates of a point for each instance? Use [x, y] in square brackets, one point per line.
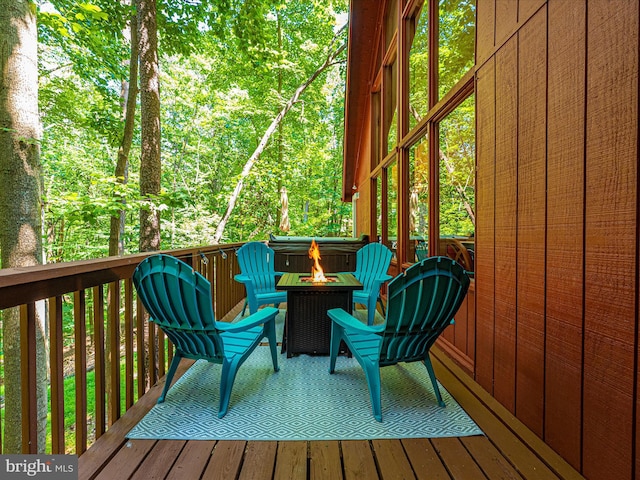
[89, 7]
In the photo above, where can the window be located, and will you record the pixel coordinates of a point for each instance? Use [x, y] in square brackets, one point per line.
[418, 37]
[390, 107]
[391, 22]
[377, 187]
[375, 129]
[457, 183]
[392, 207]
[456, 42]
[419, 200]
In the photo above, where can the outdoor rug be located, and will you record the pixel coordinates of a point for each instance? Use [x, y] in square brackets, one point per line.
[303, 402]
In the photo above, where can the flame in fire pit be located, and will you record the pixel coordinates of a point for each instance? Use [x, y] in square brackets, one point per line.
[317, 274]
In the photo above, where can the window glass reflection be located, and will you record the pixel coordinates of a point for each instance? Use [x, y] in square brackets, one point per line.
[391, 106]
[456, 44]
[391, 21]
[418, 31]
[418, 200]
[392, 207]
[457, 184]
[375, 129]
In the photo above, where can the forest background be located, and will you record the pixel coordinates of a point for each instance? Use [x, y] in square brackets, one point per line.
[96, 160]
[227, 68]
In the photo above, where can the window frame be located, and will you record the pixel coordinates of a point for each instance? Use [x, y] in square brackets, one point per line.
[398, 51]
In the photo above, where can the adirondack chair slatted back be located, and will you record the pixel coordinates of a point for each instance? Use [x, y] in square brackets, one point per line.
[179, 300]
[372, 262]
[421, 304]
[256, 260]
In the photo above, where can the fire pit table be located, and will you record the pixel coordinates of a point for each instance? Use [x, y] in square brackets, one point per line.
[307, 327]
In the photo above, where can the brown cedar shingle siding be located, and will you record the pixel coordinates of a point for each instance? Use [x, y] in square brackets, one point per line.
[556, 283]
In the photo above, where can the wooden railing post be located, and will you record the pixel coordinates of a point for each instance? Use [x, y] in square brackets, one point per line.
[98, 333]
[57, 375]
[80, 360]
[140, 346]
[153, 354]
[28, 381]
[113, 360]
[128, 342]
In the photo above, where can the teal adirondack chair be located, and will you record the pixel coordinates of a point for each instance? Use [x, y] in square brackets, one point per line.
[179, 300]
[421, 304]
[422, 250]
[258, 276]
[372, 263]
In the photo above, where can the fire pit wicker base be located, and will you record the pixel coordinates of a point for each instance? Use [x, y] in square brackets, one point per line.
[307, 326]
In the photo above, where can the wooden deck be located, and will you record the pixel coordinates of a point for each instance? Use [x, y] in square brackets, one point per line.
[508, 451]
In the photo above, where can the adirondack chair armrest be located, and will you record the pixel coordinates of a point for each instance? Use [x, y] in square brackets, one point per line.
[263, 315]
[351, 323]
[241, 278]
[378, 281]
[247, 281]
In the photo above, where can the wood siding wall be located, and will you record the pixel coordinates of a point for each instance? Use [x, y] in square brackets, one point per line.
[557, 288]
[458, 340]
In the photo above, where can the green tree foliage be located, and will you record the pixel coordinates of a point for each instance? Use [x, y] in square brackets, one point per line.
[219, 63]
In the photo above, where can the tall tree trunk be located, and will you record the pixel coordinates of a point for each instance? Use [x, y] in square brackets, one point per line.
[280, 125]
[332, 55]
[129, 93]
[150, 124]
[20, 201]
[116, 243]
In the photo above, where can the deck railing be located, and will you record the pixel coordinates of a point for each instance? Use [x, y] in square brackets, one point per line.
[111, 355]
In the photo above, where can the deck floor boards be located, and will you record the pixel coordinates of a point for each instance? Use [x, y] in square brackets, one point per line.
[291, 461]
[357, 459]
[424, 459]
[508, 451]
[192, 460]
[324, 460]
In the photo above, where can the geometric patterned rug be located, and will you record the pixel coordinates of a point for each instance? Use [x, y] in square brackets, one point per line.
[303, 402]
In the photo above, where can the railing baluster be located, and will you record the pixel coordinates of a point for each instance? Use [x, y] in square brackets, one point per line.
[153, 354]
[80, 336]
[218, 276]
[140, 348]
[98, 334]
[113, 361]
[161, 353]
[169, 352]
[28, 380]
[57, 375]
[128, 342]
